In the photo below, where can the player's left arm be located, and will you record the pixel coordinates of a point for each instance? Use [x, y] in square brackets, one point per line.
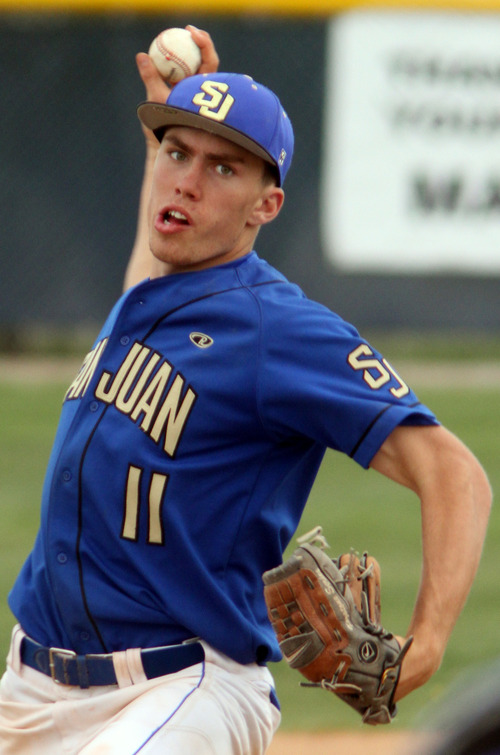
[455, 498]
[141, 262]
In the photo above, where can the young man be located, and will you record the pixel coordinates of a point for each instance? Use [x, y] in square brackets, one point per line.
[187, 447]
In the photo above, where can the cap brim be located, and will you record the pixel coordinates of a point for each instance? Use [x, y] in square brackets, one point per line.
[158, 117]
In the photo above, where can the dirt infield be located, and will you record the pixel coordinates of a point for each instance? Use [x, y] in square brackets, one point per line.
[424, 374]
[376, 742]
[27, 369]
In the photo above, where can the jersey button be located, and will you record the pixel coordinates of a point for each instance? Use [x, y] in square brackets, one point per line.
[62, 558]
[124, 340]
[66, 475]
[85, 636]
[94, 406]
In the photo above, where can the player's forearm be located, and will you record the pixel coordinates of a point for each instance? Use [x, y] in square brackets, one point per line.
[455, 510]
[141, 259]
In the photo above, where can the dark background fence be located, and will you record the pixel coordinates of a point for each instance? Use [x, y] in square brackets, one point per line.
[72, 157]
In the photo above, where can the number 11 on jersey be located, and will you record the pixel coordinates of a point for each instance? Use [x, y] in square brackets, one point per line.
[132, 507]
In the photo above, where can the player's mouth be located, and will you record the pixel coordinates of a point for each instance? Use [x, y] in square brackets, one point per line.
[171, 219]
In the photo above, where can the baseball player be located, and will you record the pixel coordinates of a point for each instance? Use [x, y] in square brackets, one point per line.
[187, 447]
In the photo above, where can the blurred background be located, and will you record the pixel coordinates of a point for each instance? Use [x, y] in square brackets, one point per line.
[392, 218]
[393, 200]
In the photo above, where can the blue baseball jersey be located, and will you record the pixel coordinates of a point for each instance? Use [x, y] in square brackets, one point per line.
[186, 450]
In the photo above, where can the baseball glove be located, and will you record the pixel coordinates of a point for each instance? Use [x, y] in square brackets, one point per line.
[326, 615]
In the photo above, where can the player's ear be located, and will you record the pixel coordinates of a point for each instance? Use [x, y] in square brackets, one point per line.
[268, 205]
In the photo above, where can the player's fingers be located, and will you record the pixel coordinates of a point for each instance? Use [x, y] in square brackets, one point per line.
[156, 91]
[156, 88]
[209, 57]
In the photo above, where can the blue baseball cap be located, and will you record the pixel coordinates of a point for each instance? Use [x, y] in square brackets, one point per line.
[230, 105]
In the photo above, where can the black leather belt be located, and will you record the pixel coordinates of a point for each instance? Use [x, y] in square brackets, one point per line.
[66, 667]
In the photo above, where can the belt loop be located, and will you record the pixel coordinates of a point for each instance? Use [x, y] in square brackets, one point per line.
[120, 665]
[134, 665]
[14, 656]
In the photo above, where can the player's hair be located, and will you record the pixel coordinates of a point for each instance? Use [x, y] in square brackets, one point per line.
[270, 174]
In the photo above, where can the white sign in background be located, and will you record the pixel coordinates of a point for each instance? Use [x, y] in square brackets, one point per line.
[411, 143]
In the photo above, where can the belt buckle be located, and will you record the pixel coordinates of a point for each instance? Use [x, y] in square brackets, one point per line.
[59, 652]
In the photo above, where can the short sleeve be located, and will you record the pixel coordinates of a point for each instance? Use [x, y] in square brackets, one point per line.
[319, 379]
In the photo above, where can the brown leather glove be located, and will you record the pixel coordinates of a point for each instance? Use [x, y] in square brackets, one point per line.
[326, 615]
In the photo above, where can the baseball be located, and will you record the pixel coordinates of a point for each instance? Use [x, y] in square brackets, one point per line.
[175, 54]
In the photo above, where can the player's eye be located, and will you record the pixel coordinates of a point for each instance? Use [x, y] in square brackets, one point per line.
[177, 155]
[224, 170]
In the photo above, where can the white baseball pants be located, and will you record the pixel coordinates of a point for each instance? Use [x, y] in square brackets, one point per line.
[217, 707]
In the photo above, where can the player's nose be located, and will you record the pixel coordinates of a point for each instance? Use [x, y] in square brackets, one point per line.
[189, 181]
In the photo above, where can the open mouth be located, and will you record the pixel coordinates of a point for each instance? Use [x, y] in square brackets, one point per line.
[174, 217]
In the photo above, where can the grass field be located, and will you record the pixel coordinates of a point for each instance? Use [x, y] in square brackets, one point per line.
[356, 509]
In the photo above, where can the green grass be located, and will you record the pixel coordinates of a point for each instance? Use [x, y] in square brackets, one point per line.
[356, 509]
[439, 346]
[28, 417]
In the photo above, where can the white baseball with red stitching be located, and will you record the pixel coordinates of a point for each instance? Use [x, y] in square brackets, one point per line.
[175, 54]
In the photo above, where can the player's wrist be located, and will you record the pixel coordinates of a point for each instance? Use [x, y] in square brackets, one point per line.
[420, 663]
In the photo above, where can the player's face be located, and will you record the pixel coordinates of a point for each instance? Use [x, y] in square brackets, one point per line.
[208, 200]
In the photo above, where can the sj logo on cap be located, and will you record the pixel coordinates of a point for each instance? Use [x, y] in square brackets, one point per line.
[213, 100]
